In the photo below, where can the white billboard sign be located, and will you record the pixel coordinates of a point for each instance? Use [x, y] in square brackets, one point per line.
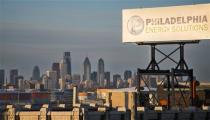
[166, 24]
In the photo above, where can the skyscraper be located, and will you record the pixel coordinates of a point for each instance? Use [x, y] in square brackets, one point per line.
[52, 76]
[20, 82]
[94, 76]
[36, 73]
[45, 81]
[107, 77]
[116, 77]
[63, 73]
[2, 75]
[127, 75]
[100, 72]
[13, 77]
[63, 69]
[67, 58]
[56, 67]
[87, 69]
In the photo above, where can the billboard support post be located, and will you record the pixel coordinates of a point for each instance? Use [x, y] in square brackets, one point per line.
[153, 63]
[182, 63]
[180, 70]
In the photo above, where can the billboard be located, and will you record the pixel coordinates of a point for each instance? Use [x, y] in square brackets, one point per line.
[166, 24]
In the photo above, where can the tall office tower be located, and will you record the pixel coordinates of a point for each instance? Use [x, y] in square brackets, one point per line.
[116, 77]
[20, 83]
[67, 58]
[127, 75]
[87, 69]
[2, 75]
[63, 74]
[45, 81]
[63, 69]
[13, 77]
[56, 67]
[94, 76]
[107, 77]
[51, 82]
[100, 72]
[36, 73]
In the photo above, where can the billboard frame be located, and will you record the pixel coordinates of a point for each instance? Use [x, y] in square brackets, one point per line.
[137, 20]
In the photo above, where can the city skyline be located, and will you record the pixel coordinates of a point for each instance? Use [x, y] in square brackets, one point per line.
[38, 32]
[61, 71]
[104, 59]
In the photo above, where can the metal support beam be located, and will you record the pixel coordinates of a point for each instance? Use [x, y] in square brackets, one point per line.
[166, 73]
[168, 89]
[182, 63]
[180, 70]
[180, 73]
[173, 87]
[167, 56]
[153, 64]
[192, 90]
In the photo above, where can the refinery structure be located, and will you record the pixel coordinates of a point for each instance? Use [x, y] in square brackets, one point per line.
[157, 94]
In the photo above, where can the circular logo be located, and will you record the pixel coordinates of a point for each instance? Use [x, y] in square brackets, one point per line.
[135, 25]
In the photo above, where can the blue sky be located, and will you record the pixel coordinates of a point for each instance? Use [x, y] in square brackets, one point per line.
[37, 32]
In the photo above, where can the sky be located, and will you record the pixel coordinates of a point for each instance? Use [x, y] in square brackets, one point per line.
[37, 32]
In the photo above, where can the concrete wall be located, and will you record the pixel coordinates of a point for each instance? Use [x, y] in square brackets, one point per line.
[29, 115]
[118, 99]
[60, 115]
[107, 114]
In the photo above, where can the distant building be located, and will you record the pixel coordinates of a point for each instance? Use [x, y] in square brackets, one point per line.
[2, 78]
[63, 69]
[152, 82]
[94, 76]
[116, 77]
[120, 83]
[127, 75]
[24, 97]
[63, 74]
[88, 84]
[36, 73]
[87, 69]
[100, 72]
[107, 78]
[52, 76]
[130, 82]
[68, 97]
[67, 58]
[13, 77]
[135, 78]
[62, 84]
[56, 67]
[21, 83]
[45, 81]
[76, 79]
[118, 97]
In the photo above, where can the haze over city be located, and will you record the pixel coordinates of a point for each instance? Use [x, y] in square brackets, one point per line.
[37, 32]
[104, 60]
